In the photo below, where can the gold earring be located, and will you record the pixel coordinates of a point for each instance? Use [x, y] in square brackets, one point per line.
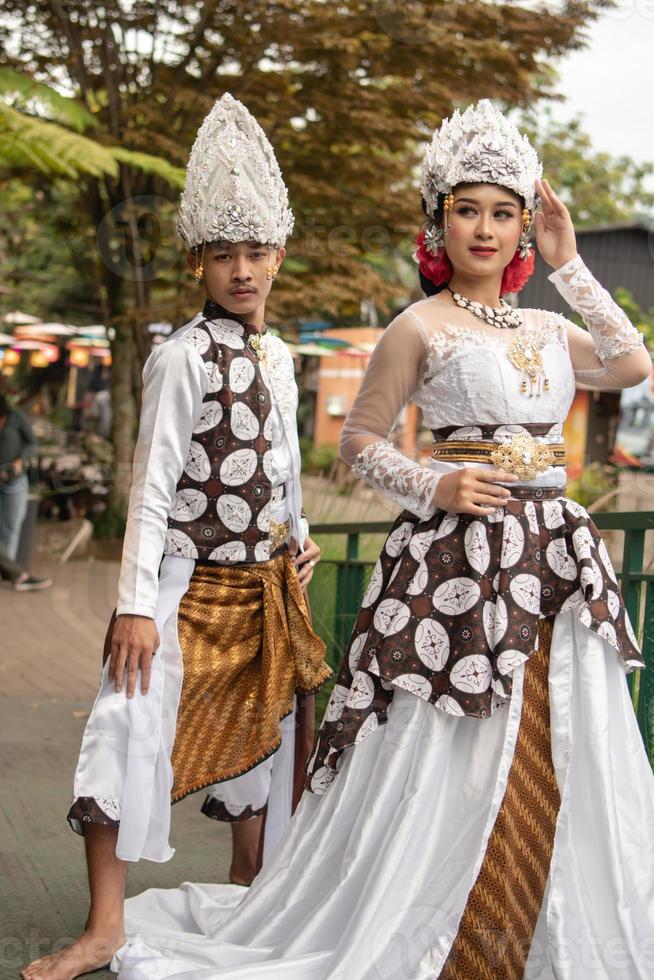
[271, 271]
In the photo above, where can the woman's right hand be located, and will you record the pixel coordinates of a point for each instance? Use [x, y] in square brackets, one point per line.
[473, 490]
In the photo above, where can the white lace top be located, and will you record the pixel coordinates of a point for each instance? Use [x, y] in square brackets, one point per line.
[458, 371]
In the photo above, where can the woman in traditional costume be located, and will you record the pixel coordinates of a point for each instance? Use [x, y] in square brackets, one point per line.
[482, 805]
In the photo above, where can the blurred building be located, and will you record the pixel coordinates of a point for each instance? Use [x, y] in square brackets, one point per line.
[619, 255]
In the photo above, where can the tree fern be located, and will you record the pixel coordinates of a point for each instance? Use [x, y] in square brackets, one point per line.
[27, 142]
[23, 92]
[149, 164]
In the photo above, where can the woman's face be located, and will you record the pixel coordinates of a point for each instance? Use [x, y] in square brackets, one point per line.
[482, 229]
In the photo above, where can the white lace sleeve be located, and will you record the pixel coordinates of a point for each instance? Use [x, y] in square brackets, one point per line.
[612, 331]
[387, 469]
[391, 379]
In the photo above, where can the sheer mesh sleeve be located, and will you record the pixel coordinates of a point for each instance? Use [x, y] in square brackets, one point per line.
[392, 377]
[611, 354]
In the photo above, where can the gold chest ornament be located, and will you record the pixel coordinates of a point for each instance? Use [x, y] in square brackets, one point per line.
[528, 359]
[257, 345]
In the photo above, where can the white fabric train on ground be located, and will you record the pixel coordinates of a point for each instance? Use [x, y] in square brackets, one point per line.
[377, 890]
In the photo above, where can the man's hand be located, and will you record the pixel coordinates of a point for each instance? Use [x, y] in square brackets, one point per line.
[473, 490]
[133, 644]
[305, 561]
[17, 467]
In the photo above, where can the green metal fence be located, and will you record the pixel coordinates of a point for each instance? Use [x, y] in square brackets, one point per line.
[349, 552]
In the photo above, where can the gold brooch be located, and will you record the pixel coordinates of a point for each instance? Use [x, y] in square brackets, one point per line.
[523, 456]
[257, 345]
[529, 360]
[278, 533]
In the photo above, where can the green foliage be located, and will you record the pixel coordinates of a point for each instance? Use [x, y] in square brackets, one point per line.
[110, 523]
[595, 482]
[598, 188]
[148, 164]
[34, 98]
[344, 90]
[28, 143]
[317, 459]
[642, 319]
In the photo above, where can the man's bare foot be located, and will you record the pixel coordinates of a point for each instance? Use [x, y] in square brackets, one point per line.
[90, 952]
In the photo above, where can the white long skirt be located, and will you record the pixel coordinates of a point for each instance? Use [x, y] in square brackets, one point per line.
[124, 762]
[371, 879]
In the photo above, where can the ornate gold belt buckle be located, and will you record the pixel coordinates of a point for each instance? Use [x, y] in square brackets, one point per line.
[278, 534]
[523, 456]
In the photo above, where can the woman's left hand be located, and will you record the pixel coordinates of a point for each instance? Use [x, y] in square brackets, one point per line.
[306, 560]
[555, 233]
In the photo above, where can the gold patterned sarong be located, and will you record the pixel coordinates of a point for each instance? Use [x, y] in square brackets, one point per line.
[496, 931]
[248, 648]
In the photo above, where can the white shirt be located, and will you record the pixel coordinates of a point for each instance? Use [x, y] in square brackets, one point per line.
[175, 381]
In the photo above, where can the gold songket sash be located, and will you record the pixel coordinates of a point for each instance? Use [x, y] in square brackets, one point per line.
[248, 648]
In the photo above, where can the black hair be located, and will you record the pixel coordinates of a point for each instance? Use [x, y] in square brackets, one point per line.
[4, 406]
[428, 287]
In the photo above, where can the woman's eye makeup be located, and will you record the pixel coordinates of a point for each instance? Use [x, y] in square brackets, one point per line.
[467, 209]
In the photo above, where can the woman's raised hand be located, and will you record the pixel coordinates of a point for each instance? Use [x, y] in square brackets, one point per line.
[555, 233]
[473, 490]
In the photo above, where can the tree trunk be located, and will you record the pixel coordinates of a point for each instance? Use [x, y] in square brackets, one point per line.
[125, 415]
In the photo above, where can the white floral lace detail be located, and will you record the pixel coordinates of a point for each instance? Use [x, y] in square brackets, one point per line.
[410, 484]
[451, 338]
[612, 331]
[281, 372]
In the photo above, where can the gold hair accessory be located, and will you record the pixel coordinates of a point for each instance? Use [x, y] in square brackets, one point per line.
[271, 271]
[448, 203]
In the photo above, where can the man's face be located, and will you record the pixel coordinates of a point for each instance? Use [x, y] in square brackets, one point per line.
[235, 275]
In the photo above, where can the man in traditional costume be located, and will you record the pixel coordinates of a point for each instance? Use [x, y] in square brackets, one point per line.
[215, 558]
[482, 805]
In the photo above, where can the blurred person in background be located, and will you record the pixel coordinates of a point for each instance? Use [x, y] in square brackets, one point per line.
[22, 581]
[17, 446]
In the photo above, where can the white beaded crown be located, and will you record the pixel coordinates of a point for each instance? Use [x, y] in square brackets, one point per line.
[234, 190]
[479, 146]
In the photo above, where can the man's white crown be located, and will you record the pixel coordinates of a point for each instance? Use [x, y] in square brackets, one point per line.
[234, 190]
[479, 146]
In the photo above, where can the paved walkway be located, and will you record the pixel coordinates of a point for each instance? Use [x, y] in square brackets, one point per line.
[50, 660]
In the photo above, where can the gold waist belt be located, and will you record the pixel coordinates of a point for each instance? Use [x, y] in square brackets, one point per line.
[523, 455]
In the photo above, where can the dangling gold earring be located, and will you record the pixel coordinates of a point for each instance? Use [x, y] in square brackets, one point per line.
[448, 203]
[271, 271]
[524, 244]
[198, 271]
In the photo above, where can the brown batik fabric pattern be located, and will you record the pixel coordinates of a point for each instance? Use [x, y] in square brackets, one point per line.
[86, 809]
[219, 810]
[221, 509]
[496, 931]
[453, 607]
[248, 648]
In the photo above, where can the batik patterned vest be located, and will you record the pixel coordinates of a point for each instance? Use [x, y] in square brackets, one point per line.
[221, 509]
